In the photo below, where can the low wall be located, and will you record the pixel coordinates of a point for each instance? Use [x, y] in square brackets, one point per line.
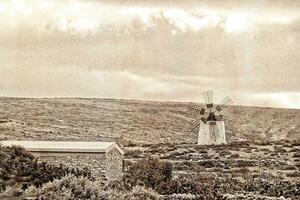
[108, 165]
[96, 162]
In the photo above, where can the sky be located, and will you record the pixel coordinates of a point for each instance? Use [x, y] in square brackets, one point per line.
[152, 50]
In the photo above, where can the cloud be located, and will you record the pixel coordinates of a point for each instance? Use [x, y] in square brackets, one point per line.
[84, 18]
[185, 21]
[282, 99]
[161, 51]
[74, 81]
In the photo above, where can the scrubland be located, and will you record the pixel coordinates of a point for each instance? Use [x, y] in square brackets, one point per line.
[162, 160]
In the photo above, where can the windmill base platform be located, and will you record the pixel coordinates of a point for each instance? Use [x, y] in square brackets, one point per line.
[207, 137]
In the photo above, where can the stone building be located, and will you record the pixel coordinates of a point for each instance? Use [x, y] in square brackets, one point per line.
[104, 159]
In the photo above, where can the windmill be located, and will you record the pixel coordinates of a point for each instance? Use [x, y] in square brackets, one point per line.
[211, 126]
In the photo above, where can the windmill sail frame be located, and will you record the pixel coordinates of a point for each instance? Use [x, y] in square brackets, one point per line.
[211, 126]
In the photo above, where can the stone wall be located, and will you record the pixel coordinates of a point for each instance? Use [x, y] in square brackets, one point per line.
[96, 162]
[114, 165]
[109, 165]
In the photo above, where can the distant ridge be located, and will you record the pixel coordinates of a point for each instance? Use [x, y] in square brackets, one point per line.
[134, 120]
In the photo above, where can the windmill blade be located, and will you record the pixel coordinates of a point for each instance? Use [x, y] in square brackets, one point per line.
[222, 106]
[194, 112]
[226, 101]
[195, 124]
[198, 126]
[203, 119]
[195, 127]
[208, 98]
[219, 108]
[202, 110]
[193, 107]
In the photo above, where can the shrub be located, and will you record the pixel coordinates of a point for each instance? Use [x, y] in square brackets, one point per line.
[208, 163]
[130, 144]
[138, 193]
[149, 172]
[182, 197]
[296, 155]
[68, 188]
[280, 149]
[296, 143]
[77, 188]
[235, 156]
[224, 153]
[134, 153]
[238, 144]
[293, 174]
[202, 151]
[200, 186]
[275, 188]
[294, 150]
[11, 193]
[178, 186]
[289, 167]
[17, 166]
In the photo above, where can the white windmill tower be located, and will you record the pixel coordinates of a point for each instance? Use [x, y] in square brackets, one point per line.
[211, 126]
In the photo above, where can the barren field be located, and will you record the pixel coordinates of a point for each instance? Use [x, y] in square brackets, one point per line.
[135, 121]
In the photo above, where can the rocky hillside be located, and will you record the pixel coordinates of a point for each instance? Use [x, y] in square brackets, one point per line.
[134, 121]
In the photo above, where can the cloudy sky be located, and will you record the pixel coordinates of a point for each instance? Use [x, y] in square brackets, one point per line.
[152, 50]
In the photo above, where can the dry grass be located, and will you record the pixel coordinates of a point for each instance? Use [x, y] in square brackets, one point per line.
[136, 122]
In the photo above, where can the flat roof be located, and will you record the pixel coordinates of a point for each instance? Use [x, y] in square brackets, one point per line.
[65, 146]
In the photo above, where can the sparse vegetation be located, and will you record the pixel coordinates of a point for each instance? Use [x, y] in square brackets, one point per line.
[252, 166]
[130, 121]
[154, 179]
[148, 172]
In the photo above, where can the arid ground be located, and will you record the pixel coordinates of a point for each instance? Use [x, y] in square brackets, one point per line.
[135, 121]
[263, 148]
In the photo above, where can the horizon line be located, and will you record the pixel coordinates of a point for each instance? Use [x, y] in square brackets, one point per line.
[143, 100]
